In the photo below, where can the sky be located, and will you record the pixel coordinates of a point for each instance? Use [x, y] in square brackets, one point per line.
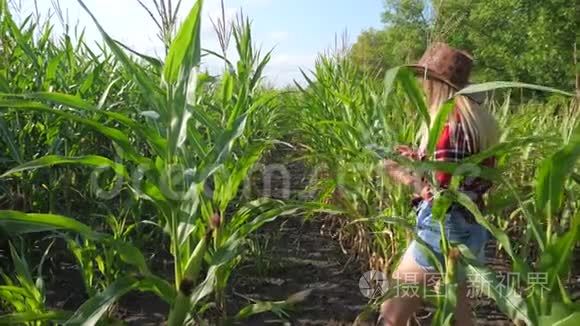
[297, 30]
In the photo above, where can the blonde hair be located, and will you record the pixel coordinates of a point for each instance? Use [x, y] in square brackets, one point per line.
[478, 125]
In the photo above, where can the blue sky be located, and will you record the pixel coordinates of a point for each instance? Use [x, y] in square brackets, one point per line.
[297, 29]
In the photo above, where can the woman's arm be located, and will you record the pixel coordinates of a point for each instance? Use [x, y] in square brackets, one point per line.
[405, 177]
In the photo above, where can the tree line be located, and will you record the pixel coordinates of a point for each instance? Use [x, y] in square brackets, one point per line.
[523, 40]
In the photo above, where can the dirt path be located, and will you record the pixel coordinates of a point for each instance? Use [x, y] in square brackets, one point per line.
[305, 260]
[300, 258]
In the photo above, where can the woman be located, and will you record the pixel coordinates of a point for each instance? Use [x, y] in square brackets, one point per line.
[469, 130]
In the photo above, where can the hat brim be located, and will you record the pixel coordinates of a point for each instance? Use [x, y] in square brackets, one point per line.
[424, 72]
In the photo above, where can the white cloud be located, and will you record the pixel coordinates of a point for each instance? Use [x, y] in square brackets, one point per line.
[283, 69]
[293, 60]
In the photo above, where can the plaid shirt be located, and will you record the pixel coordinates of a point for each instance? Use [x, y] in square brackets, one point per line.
[454, 146]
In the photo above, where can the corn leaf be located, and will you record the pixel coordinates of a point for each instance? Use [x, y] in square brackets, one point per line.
[148, 88]
[414, 93]
[222, 148]
[19, 318]
[498, 234]
[490, 86]
[9, 140]
[555, 260]
[158, 286]
[148, 134]
[438, 124]
[552, 175]
[18, 223]
[279, 308]
[52, 160]
[484, 280]
[156, 63]
[116, 135]
[129, 254]
[89, 313]
[507, 147]
[559, 314]
[184, 53]
[571, 320]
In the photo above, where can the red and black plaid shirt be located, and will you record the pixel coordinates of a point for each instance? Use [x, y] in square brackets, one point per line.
[454, 146]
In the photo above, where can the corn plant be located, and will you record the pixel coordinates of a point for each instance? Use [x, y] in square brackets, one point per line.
[24, 294]
[100, 264]
[38, 61]
[348, 115]
[177, 151]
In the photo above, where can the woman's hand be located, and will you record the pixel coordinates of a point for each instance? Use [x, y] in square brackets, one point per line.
[403, 175]
[390, 164]
[407, 152]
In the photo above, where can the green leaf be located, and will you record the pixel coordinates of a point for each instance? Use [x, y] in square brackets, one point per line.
[227, 88]
[559, 315]
[415, 93]
[89, 313]
[184, 53]
[552, 175]
[19, 318]
[490, 86]
[410, 86]
[279, 308]
[263, 211]
[159, 286]
[9, 139]
[205, 287]
[151, 60]
[130, 254]
[20, 264]
[116, 135]
[571, 320]
[484, 280]
[148, 88]
[18, 223]
[498, 234]
[222, 148]
[259, 70]
[438, 124]
[466, 168]
[52, 160]
[441, 204]
[506, 147]
[148, 134]
[429, 253]
[555, 260]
